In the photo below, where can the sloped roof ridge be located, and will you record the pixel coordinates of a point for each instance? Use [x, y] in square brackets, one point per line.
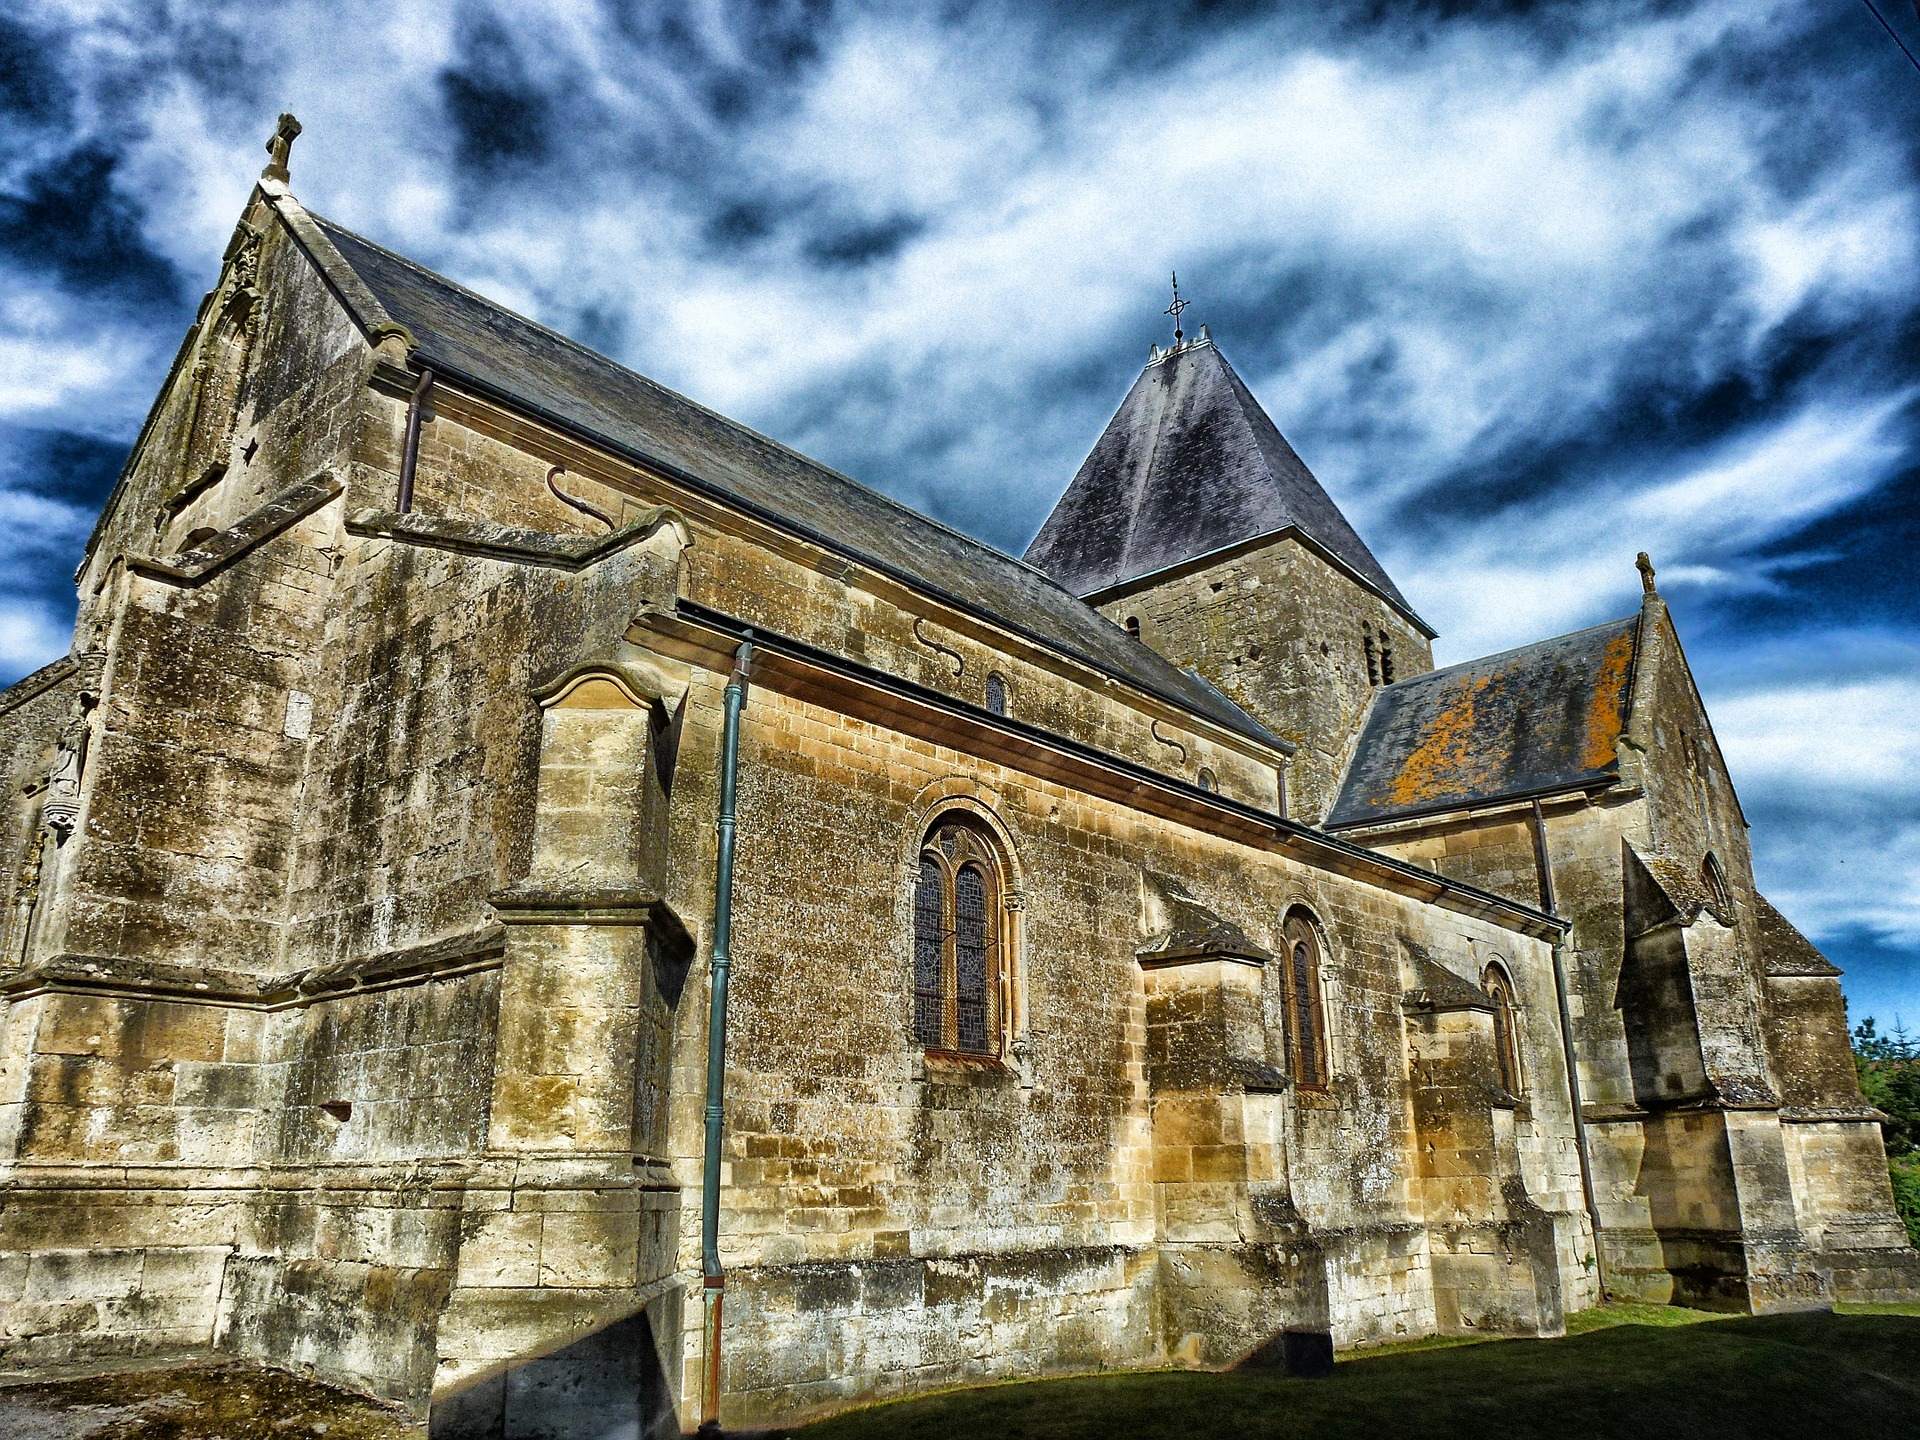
[1066, 614]
[1264, 432]
[1441, 672]
[1189, 463]
[594, 355]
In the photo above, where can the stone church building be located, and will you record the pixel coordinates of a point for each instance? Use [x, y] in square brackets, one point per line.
[1138, 953]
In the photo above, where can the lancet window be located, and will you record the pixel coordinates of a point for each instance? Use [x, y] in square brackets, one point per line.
[1719, 899]
[957, 942]
[1506, 1031]
[1305, 1016]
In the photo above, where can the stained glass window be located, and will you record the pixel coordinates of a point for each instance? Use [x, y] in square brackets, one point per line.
[1505, 1035]
[970, 958]
[929, 990]
[1306, 1040]
[996, 694]
[956, 943]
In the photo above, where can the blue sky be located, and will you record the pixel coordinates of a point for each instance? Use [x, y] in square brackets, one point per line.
[1531, 287]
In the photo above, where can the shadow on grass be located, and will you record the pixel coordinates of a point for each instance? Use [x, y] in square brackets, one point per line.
[1784, 1375]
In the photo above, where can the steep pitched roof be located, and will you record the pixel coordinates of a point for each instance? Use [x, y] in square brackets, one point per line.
[465, 336]
[1543, 717]
[1189, 464]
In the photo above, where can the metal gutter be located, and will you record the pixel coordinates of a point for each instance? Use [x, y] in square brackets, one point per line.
[410, 456]
[715, 1278]
[1467, 809]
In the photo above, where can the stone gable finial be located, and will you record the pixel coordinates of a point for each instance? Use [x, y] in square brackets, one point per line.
[280, 147]
[1645, 567]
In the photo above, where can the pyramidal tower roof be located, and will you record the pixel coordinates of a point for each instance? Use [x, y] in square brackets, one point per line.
[1188, 465]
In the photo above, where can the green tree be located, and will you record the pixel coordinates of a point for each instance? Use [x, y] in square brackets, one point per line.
[1889, 1067]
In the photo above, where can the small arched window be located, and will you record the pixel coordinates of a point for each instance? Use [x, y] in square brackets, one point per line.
[1506, 1030]
[1373, 658]
[997, 693]
[1133, 626]
[1306, 1024]
[1714, 879]
[957, 962]
[1209, 781]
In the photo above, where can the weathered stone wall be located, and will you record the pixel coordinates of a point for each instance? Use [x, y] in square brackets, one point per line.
[1675, 1023]
[852, 1156]
[1285, 634]
[376, 1047]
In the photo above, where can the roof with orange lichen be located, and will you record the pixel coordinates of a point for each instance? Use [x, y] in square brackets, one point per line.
[1540, 718]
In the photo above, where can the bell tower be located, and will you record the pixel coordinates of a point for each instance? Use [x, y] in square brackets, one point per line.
[1195, 525]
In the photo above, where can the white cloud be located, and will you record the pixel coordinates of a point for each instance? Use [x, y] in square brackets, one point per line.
[1551, 565]
[1433, 247]
[29, 638]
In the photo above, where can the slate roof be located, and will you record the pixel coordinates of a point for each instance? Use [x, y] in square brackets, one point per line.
[1543, 717]
[1189, 464]
[465, 336]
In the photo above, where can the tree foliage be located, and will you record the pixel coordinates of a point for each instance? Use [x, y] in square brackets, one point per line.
[1889, 1067]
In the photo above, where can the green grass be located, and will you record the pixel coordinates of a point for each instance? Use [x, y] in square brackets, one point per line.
[1630, 1371]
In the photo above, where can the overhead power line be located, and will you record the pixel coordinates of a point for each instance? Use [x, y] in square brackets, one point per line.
[1894, 33]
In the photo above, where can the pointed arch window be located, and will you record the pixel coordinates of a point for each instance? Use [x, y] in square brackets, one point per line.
[1714, 879]
[1305, 1015]
[1506, 1031]
[957, 945]
[996, 693]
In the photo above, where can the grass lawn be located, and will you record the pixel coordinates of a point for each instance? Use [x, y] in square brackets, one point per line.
[1637, 1371]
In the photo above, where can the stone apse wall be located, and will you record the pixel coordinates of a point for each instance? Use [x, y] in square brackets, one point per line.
[356, 1020]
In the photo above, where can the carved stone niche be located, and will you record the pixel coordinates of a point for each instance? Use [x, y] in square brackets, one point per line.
[606, 764]
[221, 357]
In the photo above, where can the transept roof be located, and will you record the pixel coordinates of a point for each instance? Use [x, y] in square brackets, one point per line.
[1190, 464]
[1543, 717]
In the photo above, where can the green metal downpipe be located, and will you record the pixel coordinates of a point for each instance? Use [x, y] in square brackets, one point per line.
[717, 1037]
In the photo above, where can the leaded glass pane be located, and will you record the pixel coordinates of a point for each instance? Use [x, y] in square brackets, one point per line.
[970, 957]
[1306, 1028]
[928, 999]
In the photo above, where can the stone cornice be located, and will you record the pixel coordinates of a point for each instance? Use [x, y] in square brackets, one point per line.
[516, 546]
[279, 514]
[213, 985]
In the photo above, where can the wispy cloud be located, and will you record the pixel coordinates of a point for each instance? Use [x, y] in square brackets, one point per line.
[1532, 288]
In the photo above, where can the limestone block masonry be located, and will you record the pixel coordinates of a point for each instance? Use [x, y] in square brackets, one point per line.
[361, 858]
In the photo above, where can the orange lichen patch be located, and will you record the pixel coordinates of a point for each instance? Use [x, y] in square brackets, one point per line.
[1606, 709]
[1450, 759]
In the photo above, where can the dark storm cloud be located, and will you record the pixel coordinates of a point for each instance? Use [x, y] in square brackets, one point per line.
[1531, 286]
[501, 116]
[69, 222]
[31, 86]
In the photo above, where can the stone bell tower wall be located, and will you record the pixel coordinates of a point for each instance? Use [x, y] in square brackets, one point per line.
[1288, 635]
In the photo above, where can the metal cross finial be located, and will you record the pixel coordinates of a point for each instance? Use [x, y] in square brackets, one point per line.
[279, 148]
[1176, 307]
[1645, 567]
